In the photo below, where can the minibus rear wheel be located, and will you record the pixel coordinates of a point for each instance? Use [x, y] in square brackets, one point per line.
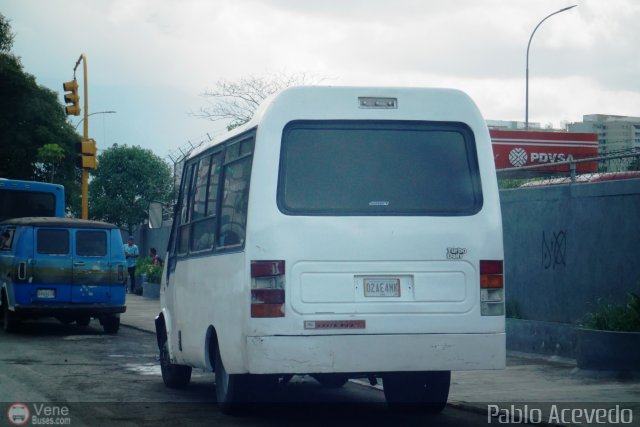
[417, 391]
[230, 388]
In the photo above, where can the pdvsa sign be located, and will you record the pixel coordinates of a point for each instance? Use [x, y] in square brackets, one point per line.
[534, 148]
[520, 157]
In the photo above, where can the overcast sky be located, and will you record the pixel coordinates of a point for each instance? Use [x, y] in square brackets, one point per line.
[150, 60]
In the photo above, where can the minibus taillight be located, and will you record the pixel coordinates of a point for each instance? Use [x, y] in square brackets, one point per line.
[491, 288]
[120, 273]
[267, 288]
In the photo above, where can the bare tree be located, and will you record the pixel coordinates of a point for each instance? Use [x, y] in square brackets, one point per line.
[237, 101]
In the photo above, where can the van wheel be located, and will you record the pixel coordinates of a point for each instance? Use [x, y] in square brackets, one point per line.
[65, 320]
[174, 376]
[417, 391]
[230, 388]
[111, 324]
[83, 321]
[331, 380]
[10, 321]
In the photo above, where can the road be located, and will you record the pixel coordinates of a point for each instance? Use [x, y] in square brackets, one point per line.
[82, 376]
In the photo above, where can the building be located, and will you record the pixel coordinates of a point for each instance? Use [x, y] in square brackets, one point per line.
[616, 135]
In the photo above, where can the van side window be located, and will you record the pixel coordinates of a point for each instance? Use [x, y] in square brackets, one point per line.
[6, 238]
[91, 243]
[53, 242]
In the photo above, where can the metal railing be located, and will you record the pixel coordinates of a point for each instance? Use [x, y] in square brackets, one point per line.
[620, 165]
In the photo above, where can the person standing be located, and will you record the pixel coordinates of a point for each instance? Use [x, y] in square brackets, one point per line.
[131, 252]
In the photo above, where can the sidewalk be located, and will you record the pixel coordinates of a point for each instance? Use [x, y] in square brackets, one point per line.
[531, 379]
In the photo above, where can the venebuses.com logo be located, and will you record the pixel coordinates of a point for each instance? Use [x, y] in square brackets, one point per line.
[20, 414]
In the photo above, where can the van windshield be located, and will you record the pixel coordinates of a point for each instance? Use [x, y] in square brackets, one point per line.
[378, 168]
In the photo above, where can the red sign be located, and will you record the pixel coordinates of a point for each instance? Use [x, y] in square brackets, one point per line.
[517, 148]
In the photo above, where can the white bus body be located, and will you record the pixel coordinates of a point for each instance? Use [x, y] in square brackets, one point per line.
[344, 230]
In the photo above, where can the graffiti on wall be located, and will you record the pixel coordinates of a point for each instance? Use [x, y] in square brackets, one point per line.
[554, 249]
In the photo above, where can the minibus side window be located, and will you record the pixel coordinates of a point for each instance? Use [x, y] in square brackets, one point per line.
[183, 230]
[200, 189]
[213, 199]
[235, 197]
[204, 221]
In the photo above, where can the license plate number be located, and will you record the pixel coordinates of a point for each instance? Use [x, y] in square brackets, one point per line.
[382, 287]
[46, 293]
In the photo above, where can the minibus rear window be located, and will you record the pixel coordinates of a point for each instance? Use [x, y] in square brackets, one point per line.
[378, 168]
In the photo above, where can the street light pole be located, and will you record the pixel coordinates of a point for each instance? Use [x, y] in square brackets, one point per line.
[526, 123]
[91, 114]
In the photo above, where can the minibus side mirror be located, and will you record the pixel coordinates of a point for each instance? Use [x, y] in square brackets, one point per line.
[155, 214]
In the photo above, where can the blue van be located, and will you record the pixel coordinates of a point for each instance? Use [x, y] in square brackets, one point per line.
[66, 268]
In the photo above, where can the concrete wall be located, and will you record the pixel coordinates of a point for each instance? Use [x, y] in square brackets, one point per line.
[567, 246]
[147, 238]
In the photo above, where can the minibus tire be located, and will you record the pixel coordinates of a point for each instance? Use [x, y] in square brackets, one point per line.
[230, 388]
[417, 391]
[10, 322]
[174, 376]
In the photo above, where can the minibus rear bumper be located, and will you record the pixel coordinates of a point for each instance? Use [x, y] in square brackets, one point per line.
[375, 353]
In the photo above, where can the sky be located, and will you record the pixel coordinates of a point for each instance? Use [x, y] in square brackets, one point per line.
[151, 60]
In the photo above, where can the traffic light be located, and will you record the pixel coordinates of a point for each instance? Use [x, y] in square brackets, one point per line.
[86, 154]
[72, 98]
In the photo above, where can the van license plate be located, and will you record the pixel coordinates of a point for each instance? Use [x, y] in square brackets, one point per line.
[46, 293]
[382, 287]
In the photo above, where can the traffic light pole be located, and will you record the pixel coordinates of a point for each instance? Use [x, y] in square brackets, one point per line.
[85, 137]
[87, 148]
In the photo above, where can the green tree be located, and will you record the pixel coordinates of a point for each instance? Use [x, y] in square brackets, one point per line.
[126, 180]
[49, 158]
[30, 118]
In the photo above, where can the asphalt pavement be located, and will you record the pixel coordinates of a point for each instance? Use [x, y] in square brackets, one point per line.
[529, 383]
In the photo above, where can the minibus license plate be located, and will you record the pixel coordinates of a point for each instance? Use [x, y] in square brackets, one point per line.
[46, 293]
[377, 287]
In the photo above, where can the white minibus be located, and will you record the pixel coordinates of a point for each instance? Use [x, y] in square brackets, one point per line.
[344, 232]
